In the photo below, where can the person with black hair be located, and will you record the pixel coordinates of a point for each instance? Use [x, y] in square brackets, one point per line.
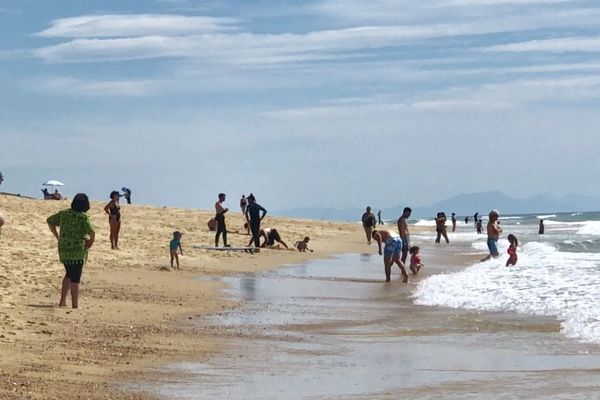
[113, 209]
[76, 237]
[271, 236]
[404, 232]
[126, 194]
[220, 220]
[254, 218]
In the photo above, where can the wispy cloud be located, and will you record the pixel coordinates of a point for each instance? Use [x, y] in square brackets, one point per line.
[90, 88]
[130, 37]
[98, 26]
[558, 45]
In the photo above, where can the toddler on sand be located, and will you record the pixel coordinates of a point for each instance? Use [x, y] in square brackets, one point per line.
[174, 245]
[512, 250]
[302, 246]
[415, 260]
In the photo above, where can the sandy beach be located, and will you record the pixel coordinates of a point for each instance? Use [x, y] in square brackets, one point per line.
[147, 332]
[133, 307]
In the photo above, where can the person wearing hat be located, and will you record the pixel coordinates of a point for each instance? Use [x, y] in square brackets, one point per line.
[173, 246]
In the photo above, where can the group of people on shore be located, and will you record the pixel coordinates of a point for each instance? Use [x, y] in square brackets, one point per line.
[75, 234]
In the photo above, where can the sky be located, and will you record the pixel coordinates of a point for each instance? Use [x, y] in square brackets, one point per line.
[327, 103]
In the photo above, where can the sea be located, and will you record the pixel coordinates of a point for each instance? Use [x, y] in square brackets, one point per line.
[557, 274]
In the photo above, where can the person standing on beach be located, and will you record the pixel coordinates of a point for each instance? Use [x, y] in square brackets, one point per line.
[379, 221]
[220, 219]
[243, 204]
[113, 209]
[127, 194]
[466, 220]
[453, 222]
[493, 233]
[475, 218]
[404, 233]
[254, 218]
[542, 228]
[391, 252]
[76, 237]
[369, 222]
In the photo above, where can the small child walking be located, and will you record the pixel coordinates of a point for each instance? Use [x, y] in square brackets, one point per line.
[512, 250]
[174, 245]
[302, 245]
[415, 260]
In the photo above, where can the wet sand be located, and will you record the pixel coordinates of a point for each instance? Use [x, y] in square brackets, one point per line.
[331, 329]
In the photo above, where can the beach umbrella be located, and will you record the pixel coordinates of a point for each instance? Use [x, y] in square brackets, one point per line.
[53, 182]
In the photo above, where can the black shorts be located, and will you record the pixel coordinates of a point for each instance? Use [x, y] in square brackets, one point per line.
[73, 271]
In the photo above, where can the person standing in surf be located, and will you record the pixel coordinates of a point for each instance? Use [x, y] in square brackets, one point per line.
[453, 222]
[542, 228]
[404, 233]
[512, 250]
[391, 252]
[493, 234]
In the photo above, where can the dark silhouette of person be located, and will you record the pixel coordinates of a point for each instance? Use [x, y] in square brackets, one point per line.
[126, 194]
[220, 219]
[254, 217]
[542, 228]
[379, 221]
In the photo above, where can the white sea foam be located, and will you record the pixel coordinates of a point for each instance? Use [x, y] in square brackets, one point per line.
[544, 282]
[590, 228]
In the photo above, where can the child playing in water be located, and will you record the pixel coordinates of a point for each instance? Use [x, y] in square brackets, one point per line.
[174, 245]
[415, 260]
[512, 250]
[302, 245]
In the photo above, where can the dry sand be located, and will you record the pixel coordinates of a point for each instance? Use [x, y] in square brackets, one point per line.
[135, 311]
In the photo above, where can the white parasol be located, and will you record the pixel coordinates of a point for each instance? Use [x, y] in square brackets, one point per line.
[53, 183]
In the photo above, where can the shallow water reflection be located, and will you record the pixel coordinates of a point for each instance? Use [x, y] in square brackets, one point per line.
[333, 329]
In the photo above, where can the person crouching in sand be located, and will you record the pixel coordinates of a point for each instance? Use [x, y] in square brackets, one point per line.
[512, 250]
[175, 245]
[391, 252]
[493, 234]
[76, 237]
[415, 260]
[302, 245]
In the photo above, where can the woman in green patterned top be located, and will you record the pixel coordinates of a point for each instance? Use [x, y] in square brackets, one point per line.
[74, 240]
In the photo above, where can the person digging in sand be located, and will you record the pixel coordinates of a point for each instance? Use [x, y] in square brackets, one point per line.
[391, 252]
[302, 245]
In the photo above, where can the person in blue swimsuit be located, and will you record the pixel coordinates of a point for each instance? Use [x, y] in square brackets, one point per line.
[391, 252]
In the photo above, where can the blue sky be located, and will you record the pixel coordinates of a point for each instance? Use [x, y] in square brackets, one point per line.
[335, 103]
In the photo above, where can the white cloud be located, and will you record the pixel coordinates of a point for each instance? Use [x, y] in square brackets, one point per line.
[98, 26]
[89, 88]
[559, 45]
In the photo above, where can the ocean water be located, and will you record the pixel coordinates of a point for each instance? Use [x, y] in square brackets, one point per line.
[557, 275]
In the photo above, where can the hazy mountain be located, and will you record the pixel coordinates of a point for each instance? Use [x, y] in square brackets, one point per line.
[462, 204]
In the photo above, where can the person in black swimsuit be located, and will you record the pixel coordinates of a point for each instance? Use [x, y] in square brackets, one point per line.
[113, 209]
[254, 215]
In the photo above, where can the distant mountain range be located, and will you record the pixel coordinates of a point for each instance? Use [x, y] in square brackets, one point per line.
[462, 204]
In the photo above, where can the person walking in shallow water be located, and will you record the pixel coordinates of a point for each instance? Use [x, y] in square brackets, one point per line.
[453, 222]
[369, 222]
[542, 228]
[76, 237]
[404, 233]
[493, 232]
[440, 227]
